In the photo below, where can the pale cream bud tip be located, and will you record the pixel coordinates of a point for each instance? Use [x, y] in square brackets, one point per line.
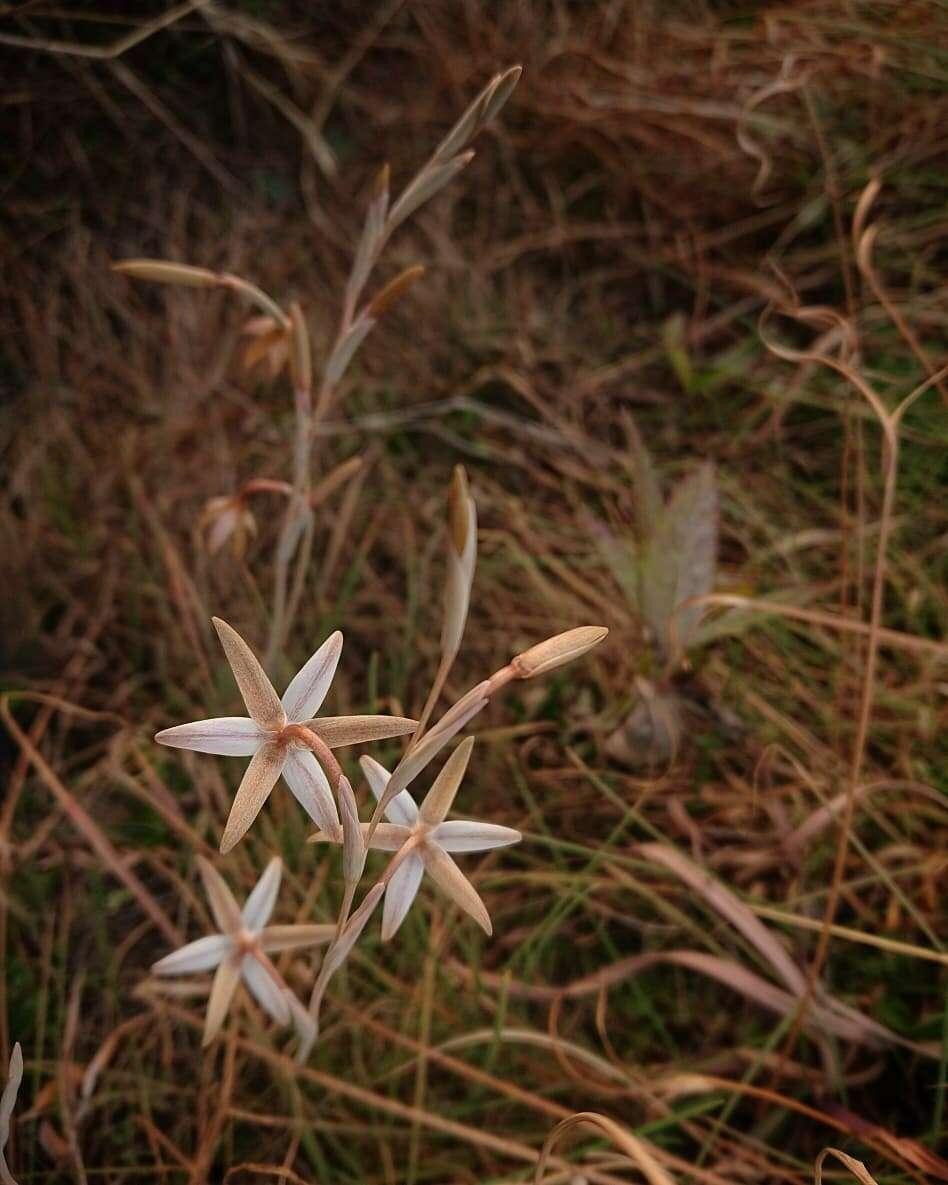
[558, 650]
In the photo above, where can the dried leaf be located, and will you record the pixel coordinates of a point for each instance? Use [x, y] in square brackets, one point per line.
[679, 559]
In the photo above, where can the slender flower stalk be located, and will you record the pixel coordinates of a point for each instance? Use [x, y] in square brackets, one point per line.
[281, 734]
[241, 950]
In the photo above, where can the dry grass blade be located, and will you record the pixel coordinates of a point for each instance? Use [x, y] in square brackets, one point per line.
[636, 1150]
[856, 1167]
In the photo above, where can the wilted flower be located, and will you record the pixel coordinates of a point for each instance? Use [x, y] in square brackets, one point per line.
[7, 1103]
[269, 344]
[227, 518]
[241, 949]
[280, 734]
[433, 837]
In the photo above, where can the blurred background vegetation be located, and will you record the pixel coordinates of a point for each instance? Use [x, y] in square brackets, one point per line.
[665, 174]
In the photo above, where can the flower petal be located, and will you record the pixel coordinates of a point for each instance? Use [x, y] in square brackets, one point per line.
[466, 835]
[225, 983]
[387, 837]
[310, 786]
[400, 893]
[451, 880]
[224, 907]
[228, 736]
[439, 798]
[259, 905]
[200, 955]
[401, 809]
[267, 992]
[338, 731]
[258, 780]
[10, 1090]
[262, 701]
[307, 690]
[274, 939]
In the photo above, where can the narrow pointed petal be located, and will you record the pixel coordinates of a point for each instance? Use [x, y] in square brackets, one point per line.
[265, 990]
[307, 690]
[225, 983]
[201, 955]
[400, 893]
[224, 906]
[439, 798]
[339, 731]
[274, 939]
[262, 701]
[10, 1090]
[304, 776]
[259, 779]
[228, 736]
[452, 881]
[465, 835]
[387, 837]
[259, 905]
[401, 809]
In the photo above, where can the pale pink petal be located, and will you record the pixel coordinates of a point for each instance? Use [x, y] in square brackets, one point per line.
[259, 905]
[400, 893]
[224, 907]
[274, 939]
[338, 731]
[200, 955]
[465, 835]
[307, 690]
[228, 736]
[439, 798]
[452, 881]
[226, 978]
[387, 837]
[262, 701]
[267, 992]
[10, 1090]
[310, 786]
[401, 809]
[258, 780]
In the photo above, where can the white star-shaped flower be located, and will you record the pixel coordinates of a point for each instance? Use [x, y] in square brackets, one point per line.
[433, 838]
[276, 733]
[241, 949]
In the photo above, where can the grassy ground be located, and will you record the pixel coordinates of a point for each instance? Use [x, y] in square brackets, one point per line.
[663, 176]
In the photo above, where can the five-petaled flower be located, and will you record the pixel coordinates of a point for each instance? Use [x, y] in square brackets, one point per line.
[280, 734]
[241, 950]
[432, 837]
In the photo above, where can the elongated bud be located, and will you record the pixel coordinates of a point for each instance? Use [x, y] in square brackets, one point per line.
[301, 367]
[500, 93]
[353, 844]
[393, 290]
[380, 188]
[555, 652]
[159, 271]
[462, 558]
[458, 515]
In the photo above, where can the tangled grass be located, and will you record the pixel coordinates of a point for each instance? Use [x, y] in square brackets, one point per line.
[673, 193]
